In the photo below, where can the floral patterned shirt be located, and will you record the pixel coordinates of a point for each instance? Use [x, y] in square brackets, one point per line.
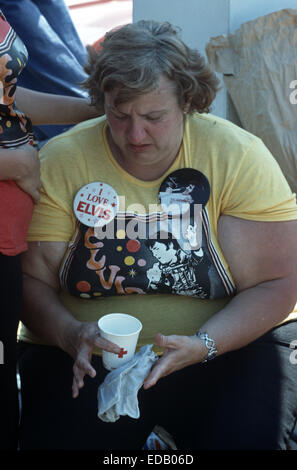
[16, 206]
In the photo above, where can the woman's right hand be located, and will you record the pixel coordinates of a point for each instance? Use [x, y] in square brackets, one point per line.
[27, 176]
[85, 339]
[44, 314]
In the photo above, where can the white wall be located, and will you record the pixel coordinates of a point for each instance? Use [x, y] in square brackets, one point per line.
[202, 19]
[197, 20]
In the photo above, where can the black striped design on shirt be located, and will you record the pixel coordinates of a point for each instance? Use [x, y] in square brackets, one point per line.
[8, 41]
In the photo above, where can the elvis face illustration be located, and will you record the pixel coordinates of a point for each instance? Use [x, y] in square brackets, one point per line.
[164, 252]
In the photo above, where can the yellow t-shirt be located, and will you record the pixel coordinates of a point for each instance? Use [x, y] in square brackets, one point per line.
[171, 287]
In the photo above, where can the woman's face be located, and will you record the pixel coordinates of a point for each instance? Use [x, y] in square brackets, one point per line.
[146, 131]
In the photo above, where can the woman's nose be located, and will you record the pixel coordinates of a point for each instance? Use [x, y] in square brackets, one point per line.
[136, 133]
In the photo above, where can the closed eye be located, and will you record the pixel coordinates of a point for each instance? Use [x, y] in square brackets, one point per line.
[121, 117]
[153, 119]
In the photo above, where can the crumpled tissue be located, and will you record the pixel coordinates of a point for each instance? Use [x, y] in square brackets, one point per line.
[117, 395]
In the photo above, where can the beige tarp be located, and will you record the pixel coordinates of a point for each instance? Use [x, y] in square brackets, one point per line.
[259, 67]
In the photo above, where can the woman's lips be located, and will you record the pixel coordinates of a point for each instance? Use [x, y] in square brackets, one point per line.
[139, 148]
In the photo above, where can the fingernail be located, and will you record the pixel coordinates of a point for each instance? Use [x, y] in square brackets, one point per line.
[147, 385]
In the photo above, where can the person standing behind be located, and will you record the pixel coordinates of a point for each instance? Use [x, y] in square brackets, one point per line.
[19, 190]
[56, 53]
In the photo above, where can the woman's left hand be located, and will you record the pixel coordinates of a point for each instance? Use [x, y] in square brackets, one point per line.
[179, 352]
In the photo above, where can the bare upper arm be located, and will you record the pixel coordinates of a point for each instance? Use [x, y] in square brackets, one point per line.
[259, 251]
[42, 261]
[42, 107]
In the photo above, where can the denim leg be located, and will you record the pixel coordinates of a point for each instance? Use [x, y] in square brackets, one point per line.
[56, 54]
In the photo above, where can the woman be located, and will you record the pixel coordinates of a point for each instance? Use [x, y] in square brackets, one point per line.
[19, 190]
[81, 263]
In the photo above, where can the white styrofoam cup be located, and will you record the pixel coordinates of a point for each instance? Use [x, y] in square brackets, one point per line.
[123, 330]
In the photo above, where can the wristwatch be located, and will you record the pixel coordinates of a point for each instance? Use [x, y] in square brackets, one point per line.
[210, 344]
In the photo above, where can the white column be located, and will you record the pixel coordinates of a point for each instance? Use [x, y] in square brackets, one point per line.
[198, 20]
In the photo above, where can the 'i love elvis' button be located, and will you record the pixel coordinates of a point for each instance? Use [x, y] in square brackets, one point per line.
[96, 204]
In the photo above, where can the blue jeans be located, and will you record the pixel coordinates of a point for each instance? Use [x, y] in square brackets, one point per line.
[56, 53]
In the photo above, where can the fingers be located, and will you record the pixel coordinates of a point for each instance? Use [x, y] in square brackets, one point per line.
[35, 196]
[75, 389]
[89, 335]
[162, 366]
[179, 352]
[103, 343]
[78, 380]
[158, 371]
[81, 367]
[172, 341]
[89, 339]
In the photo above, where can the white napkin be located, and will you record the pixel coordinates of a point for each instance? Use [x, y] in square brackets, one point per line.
[117, 395]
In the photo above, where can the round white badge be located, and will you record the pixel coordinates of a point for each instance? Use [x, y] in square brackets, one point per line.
[96, 204]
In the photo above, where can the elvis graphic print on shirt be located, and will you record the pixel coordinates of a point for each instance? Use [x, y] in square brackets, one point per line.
[169, 251]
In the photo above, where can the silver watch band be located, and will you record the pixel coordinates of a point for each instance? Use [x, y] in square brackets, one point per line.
[210, 344]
